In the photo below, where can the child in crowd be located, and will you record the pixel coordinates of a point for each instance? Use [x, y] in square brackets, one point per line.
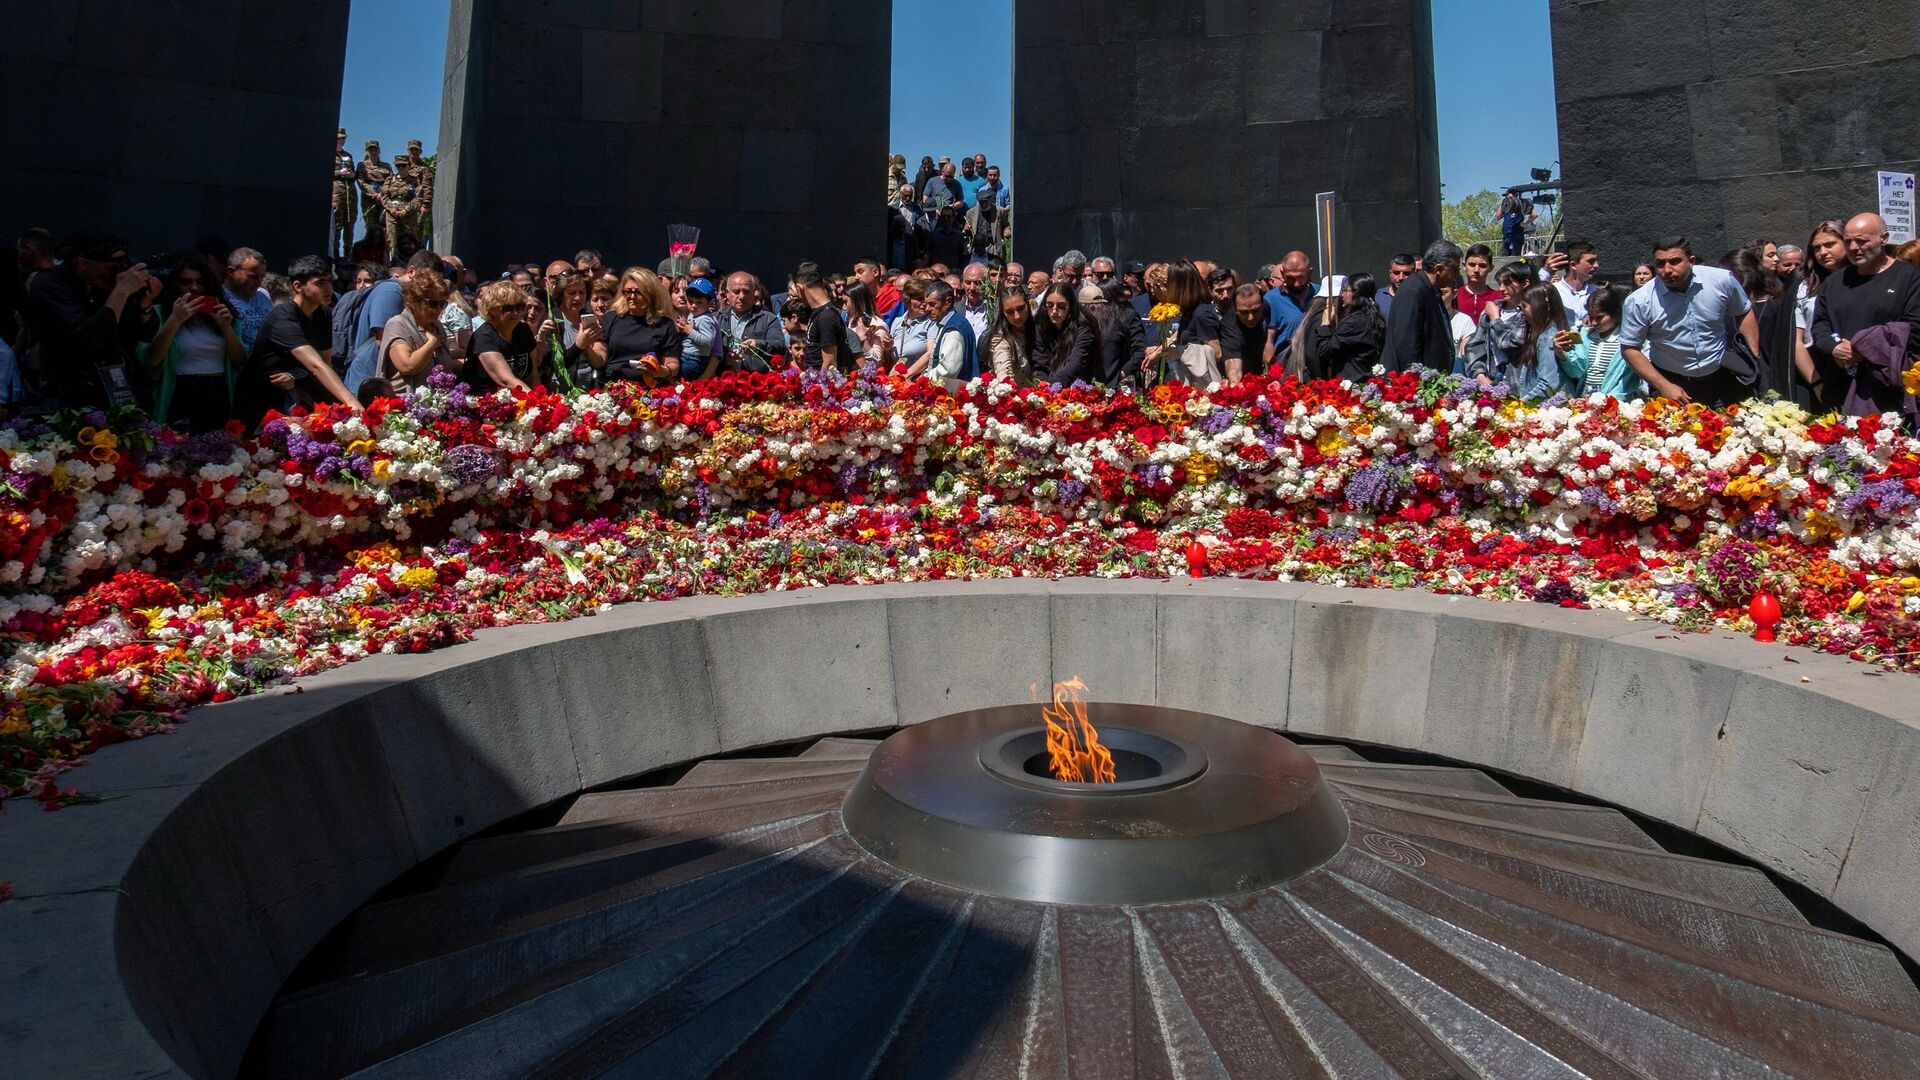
[701, 351]
[1595, 364]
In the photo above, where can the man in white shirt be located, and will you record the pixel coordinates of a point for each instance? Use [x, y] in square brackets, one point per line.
[973, 298]
[1678, 328]
[1577, 284]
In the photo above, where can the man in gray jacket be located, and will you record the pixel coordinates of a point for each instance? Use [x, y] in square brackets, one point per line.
[752, 333]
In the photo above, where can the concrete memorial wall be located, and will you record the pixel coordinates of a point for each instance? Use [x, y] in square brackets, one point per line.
[168, 121]
[1729, 122]
[763, 122]
[1166, 128]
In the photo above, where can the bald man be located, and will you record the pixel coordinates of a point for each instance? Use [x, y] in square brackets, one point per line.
[752, 333]
[1860, 315]
[1287, 302]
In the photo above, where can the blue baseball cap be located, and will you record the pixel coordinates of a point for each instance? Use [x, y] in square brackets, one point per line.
[702, 286]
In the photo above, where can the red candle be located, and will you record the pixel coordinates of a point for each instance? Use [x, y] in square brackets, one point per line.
[1196, 558]
[1765, 611]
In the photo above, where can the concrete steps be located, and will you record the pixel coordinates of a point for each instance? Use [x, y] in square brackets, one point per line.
[726, 926]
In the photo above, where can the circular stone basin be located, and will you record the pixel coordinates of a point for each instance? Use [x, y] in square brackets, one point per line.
[1205, 806]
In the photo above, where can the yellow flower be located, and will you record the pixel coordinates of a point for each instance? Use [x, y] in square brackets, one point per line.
[1330, 440]
[1750, 488]
[1163, 313]
[86, 435]
[420, 577]
[360, 446]
[1202, 468]
[156, 616]
[12, 725]
[105, 455]
[382, 469]
[1822, 526]
[1911, 379]
[377, 555]
[1856, 602]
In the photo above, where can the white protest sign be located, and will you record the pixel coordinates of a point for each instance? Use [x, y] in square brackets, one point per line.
[1896, 205]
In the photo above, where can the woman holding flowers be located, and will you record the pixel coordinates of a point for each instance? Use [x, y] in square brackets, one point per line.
[1193, 356]
[641, 341]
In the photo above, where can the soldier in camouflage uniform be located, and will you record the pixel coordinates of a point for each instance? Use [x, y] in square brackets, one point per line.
[371, 176]
[340, 239]
[401, 199]
[412, 171]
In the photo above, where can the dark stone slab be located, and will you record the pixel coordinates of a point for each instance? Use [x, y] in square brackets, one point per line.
[166, 125]
[1728, 122]
[762, 122]
[1239, 113]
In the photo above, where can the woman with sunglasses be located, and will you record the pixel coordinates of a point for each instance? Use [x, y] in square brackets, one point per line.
[196, 354]
[640, 341]
[414, 344]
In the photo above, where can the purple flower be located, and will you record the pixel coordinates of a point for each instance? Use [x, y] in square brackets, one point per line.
[1732, 574]
[472, 465]
[1216, 421]
[1376, 488]
[1071, 491]
[1596, 496]
[1879, 502]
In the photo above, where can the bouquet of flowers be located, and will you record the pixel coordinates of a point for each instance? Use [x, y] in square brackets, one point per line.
[1167, 318]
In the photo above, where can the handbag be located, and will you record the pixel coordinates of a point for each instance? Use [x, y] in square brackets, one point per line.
[1741, 362]
[1197, 366]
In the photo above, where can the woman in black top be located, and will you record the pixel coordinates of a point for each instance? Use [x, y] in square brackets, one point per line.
[1066, 348]
[640, 340]
[504, 351]
[1774, 313]
[1347, 341]
[1199, 323]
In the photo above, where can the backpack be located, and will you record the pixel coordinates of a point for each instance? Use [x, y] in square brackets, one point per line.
[346, 315]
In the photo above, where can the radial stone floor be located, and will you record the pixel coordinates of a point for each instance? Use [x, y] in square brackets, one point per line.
[727, 925]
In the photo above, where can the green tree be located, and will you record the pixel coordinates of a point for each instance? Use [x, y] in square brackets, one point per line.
[1472, 220]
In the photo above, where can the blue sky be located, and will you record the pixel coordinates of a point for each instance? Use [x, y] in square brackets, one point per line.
[1492, 58]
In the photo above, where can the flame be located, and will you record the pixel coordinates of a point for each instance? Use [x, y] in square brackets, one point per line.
[1073, 746]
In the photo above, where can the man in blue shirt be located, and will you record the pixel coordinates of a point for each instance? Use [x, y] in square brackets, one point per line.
[246, 270]
[383, 302]
[1287, 303]
[1676, 331]
[970, 181]
[1002, 194]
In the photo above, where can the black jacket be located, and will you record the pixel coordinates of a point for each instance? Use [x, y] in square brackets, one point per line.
[1350, 347]
[1417, 330]
[1066, 356]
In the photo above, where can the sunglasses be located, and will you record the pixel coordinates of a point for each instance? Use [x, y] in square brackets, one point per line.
[633, 292]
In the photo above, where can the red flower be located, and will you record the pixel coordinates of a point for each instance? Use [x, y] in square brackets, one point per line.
[196, 511]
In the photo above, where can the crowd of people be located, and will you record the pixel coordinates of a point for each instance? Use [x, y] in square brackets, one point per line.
[209, 339]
